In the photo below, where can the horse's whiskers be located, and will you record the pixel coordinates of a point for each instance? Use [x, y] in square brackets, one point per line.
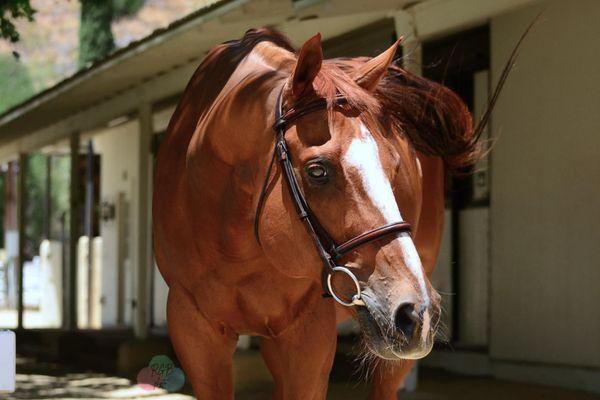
[366, 362]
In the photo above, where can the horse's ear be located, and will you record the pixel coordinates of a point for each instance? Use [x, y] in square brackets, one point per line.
[308, 66]
[370, 73]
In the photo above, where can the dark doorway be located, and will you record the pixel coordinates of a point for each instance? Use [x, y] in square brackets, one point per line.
[460, 62]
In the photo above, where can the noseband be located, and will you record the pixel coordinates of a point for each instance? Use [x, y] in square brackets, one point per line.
[328, 250]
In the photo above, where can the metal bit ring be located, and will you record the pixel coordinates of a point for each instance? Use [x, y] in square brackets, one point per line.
[356, 299]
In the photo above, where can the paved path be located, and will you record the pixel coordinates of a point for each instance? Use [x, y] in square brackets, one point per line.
[84, 386]
[98, 386]
[51, 381]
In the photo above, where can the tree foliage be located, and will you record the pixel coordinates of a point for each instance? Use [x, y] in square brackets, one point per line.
[95, 35]
[10, 11]
[15, 82]
[126, 8]
[35, 186]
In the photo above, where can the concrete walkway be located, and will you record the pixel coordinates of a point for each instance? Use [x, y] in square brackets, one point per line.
[84, 386]
[52, 381]
[443, 387]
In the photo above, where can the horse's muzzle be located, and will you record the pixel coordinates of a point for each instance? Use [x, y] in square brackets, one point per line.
[404, 332]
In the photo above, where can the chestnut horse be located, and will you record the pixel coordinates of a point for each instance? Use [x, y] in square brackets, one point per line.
[378, 157]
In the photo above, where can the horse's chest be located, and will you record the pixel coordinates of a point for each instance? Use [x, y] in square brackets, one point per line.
[256, 303]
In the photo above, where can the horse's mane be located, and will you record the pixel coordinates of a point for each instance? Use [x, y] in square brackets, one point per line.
[210, 77]
[433, 117]
[221, 62]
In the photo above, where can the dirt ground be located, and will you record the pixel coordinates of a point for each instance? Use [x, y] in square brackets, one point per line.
[50, 381]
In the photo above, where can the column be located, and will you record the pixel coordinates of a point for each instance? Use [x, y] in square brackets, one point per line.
[74, 199]
[411, 45]
[21, 218]
[142, 218]
[412, 59]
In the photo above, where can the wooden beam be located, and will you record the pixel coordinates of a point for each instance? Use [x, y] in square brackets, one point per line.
[412, 48]
[48, 197]
[71, 309]
[431, 19]
[142, 219]
[21, 218]
[121, 218]
[100, 114]
[435, 18]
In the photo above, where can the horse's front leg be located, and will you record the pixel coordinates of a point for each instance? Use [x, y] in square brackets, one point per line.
[388, 377]
[204, 350]
[301, 357]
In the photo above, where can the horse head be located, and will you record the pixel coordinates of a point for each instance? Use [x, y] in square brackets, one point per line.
[358, 171]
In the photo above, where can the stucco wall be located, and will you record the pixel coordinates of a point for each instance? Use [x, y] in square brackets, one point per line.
[118, 148]
[545, 194]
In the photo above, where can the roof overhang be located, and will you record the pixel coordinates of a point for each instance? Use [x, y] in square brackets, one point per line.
[160, 65]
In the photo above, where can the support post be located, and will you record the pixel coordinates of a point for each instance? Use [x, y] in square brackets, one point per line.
[412, 61]
[412, 49]
[21, 218]
[143, 223]
[48, 198]
[73, 233]
[89, 230]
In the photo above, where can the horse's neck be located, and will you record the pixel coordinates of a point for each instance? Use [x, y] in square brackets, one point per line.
[227, 157]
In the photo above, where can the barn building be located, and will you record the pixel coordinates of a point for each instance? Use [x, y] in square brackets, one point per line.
[519, 266]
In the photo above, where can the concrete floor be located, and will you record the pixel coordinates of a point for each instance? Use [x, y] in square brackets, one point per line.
[51, 381]
[443, 387]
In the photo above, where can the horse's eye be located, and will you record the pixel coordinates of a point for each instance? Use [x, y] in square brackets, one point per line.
[317, 173]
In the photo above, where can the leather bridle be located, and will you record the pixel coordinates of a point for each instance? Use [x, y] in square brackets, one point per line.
[328, 250]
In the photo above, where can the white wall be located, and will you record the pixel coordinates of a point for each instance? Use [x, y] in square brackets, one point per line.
[545, 194]
[473, 277]
[474, 268]
[51, 307]
[118, 148]
[160, 292]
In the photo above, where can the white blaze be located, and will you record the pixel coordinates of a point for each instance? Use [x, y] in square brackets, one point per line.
[363, 156]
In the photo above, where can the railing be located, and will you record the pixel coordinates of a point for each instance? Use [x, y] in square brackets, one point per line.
[43, 287]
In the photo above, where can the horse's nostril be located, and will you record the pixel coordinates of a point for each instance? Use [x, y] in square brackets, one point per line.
[405, 320]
